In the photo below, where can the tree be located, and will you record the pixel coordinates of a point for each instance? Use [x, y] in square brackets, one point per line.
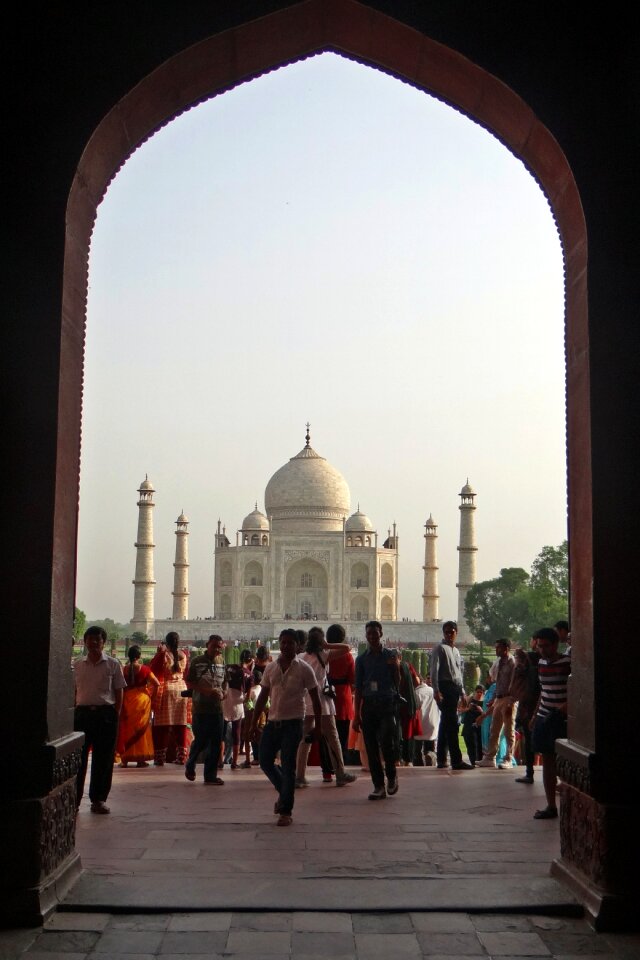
[79, 623]
[516, 603]
[494, 607]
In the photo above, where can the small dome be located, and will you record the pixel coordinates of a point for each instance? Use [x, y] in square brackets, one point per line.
[358, 521]
[431, 522]
[182, 518]
[255, 520]
[146, 485]
[467, 490]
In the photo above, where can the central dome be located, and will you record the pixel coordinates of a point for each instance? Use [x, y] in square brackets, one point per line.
[307, 493]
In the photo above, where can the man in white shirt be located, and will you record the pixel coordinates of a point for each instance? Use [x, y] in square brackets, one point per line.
[99, 689]
[284, 682]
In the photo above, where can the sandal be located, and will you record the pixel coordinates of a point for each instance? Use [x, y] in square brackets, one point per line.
[285, 820]
[549, 813]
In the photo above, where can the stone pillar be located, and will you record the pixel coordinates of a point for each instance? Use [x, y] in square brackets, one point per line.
[430, 595]
[467, 551]
[599, 824]
[144, 583]
[181, 571]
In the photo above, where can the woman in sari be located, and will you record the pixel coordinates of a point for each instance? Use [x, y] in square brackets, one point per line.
[135, 742]
[170, 709]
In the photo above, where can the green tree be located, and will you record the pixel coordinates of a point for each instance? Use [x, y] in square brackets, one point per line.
[516, 603]
[79, 623]
[494, 608]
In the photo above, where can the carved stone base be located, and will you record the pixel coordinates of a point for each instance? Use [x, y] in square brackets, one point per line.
[37, 834]
[599, 857]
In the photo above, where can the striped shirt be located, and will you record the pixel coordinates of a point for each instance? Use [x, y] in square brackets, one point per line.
[553, 676]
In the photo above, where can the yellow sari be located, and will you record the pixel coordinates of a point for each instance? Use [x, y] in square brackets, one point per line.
[135, 742]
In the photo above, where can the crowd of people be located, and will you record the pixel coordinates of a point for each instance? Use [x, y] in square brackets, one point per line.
[313, 696]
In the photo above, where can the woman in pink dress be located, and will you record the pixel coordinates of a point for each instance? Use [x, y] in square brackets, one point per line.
[170, 713]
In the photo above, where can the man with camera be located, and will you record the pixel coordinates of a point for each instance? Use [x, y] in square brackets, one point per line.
[207, 685]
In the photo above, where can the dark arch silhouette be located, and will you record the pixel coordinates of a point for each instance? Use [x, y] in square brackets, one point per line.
[90, 89]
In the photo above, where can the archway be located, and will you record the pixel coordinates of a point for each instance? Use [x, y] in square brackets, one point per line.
[306, 590]
[215, 65]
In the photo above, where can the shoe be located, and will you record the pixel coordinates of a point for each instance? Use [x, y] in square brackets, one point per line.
[505, 764]
[142, 763]
[216, 782]
[378, 794]
[463, 765]
[246, 765]
[99, 807]
[486, 763]
[442, 766]
[301, 782]
[549, 813]
[124, 764]
[392, 787]
[524, 779]
[285, 820]
[189, 774]
[327, 778]
[276, 808]
[345, 778]
[234, 765]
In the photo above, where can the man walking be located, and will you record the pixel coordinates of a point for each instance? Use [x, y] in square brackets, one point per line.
[206, 678]
[284, 682]
[99, 685]
[446, 680]
[501, 710]
[377, 683]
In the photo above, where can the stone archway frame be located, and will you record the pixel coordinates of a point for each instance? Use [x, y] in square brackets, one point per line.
[221, 62]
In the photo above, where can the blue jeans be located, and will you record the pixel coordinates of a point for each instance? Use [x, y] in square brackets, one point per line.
[282, 735]
[207, 736]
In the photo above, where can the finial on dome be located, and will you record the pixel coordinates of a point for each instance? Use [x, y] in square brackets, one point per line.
[256, 506]
[307, 436]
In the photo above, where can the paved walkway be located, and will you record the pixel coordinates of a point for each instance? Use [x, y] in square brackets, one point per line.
[447, 840]
[453, 866]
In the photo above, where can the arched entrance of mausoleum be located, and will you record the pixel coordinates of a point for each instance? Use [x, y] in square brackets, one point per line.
[215, 64]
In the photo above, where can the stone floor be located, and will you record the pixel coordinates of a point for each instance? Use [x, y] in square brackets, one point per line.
[452, 866]
[303, 935]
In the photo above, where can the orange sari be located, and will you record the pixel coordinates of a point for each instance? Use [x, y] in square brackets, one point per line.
[135, 742]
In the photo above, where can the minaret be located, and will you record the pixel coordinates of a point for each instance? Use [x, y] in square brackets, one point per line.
[467, 554]
[430, 596]
[143, 592]
[181, 571]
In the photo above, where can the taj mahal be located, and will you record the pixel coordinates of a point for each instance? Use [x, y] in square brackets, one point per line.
[306, 557]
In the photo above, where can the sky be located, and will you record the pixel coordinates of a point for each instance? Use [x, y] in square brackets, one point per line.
[324, 243]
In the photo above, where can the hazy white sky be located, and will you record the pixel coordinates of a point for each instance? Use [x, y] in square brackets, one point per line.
[324, 243]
